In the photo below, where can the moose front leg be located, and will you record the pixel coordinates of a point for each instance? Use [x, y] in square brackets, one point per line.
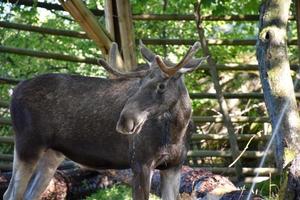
[170, 183]
[141, 182]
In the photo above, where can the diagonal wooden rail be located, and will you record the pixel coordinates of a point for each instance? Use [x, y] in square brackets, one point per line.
[219, 94]
[89, 23]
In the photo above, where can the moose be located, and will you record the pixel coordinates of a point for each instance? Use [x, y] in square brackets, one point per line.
[137, 120]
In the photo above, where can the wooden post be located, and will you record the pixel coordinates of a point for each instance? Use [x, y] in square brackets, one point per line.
[279, 90]
[221, 100]
[127, 35]
[111, 24]
[119, 24]
[109, 20]
[164, 32]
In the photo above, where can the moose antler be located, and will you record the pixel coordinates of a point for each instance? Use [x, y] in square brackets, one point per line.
[170, 71]
[110, 66]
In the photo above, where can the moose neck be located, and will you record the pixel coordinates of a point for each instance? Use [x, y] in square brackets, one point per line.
[182, 115]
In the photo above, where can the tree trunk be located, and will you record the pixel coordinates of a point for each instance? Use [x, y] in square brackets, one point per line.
[278, 87]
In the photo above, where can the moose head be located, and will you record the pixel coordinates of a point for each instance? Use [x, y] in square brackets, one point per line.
[160, 87]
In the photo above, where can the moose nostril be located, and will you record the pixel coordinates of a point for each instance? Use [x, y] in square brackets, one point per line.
[125, 125]
[129, 125]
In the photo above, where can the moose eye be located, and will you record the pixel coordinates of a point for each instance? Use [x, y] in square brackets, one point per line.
[161, 87]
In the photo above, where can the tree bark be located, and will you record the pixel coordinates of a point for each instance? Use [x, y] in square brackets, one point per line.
[278, 88]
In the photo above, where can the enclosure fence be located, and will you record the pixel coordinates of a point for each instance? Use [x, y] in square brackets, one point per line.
[195, 154]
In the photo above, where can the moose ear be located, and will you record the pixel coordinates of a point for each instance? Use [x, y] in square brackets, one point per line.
[148, 55]
[192, 65]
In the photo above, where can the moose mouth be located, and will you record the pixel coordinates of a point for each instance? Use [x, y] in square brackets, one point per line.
[137, 129]
[129, 126]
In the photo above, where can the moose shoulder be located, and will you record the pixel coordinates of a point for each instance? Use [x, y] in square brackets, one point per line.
[138, 120]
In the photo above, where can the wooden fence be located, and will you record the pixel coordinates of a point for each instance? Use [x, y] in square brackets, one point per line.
[195, 154]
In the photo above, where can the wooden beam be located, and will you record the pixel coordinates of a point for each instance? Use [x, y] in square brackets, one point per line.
[234, 119]
[6, 166]
[47, 55]
[252, 95]
[7, 139]
[191, 17]
[240, 67]
[10, 81]
[225, 171]
[4, 104]
[6, 157]
[226, 42]
[109, 18]
[225, 154]
[5, 121]
[89, 23]
[37, 29]
[48, 6]
[241, 137]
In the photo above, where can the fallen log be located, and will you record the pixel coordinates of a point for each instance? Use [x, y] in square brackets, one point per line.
[76, 183]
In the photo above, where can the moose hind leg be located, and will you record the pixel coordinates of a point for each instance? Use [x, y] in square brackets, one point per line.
[170, 183]
[43, 174]
[22, 172]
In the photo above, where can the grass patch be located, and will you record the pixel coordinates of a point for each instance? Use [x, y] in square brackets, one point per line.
[116, 192]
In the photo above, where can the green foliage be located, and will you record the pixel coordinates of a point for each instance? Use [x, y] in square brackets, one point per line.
[116, 192]
[25, 67]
